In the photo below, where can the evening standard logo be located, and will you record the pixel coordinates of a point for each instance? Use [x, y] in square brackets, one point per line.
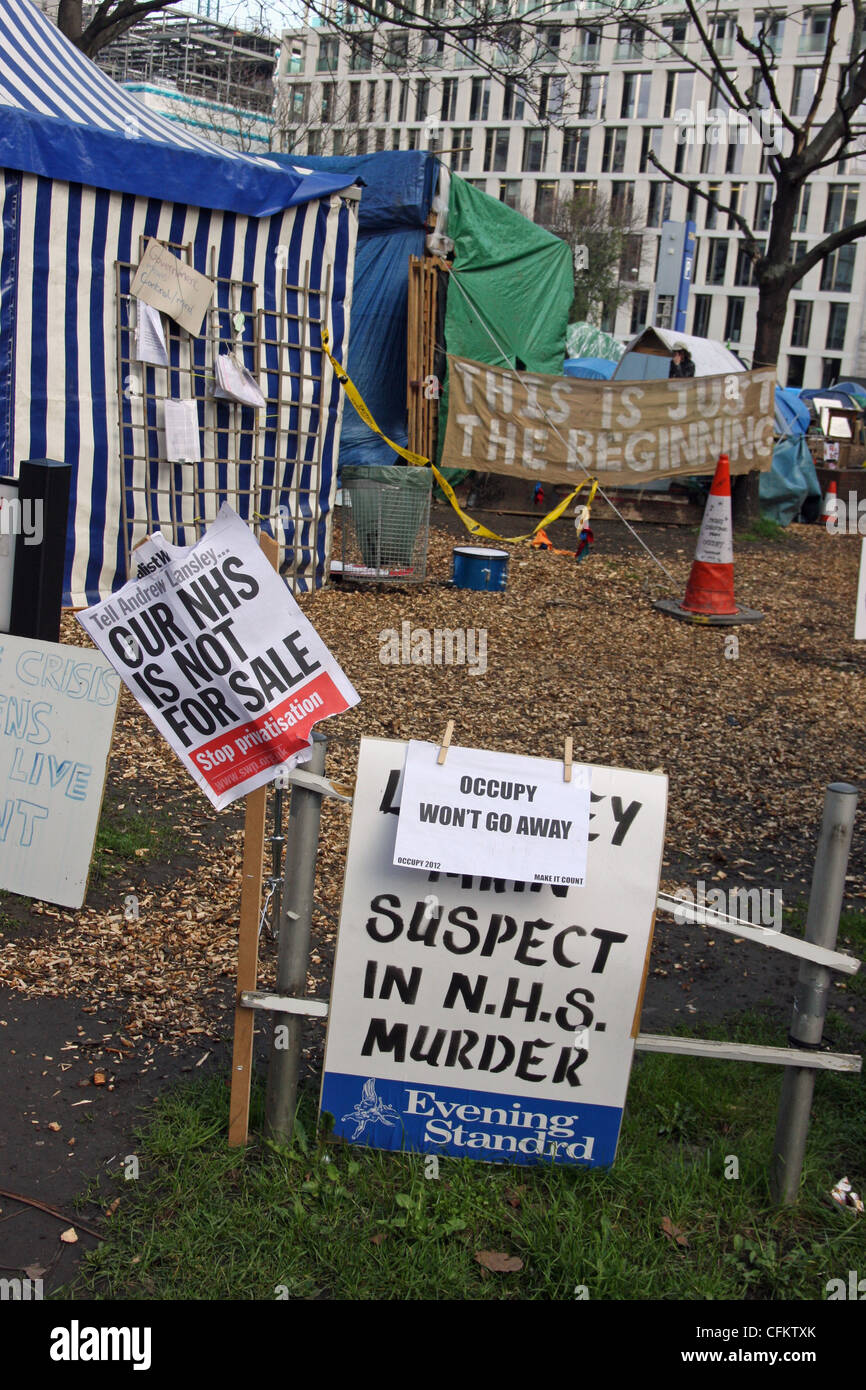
[77, 1343]
[371, 1110]
[544, 1136]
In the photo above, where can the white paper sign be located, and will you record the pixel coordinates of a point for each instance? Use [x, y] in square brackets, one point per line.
[172, 287]
[182, 439]
[149, 336]
[482, 809]
[57, 707]
[860, 616]
[215, 649]
[484, 1017]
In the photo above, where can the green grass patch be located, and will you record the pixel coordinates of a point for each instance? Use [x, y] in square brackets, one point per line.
[762, 530]
[329, 1220]
[129, 834]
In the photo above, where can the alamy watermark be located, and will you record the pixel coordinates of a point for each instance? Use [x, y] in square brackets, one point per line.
[848, 520]
[438, 646]
[758, 907]
[703, 125]
[22, 518]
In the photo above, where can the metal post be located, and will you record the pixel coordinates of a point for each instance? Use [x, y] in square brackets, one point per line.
[813, 984]
[294, 953]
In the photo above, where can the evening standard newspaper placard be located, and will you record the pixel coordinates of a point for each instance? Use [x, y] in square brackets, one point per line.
[481, 1017]
[216, 650]
[480, 809]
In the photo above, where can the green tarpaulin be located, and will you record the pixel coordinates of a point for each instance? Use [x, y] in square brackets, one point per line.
[512, 278]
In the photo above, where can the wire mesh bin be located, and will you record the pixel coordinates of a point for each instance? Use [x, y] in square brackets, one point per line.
[385, 523]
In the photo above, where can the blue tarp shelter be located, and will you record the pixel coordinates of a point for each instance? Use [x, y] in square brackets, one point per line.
[87, 174]
[589, 368]
[398, 190]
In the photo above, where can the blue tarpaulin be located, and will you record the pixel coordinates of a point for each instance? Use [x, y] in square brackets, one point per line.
[589, 368]
[789, 482]
[395, 202]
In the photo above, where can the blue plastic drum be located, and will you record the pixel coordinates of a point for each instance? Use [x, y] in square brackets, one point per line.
[475, 567]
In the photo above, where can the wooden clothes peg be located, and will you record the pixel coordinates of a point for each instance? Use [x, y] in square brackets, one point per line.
[446, 743]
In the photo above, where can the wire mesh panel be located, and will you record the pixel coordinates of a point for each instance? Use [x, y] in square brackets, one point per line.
[385, 523]
[264, 461]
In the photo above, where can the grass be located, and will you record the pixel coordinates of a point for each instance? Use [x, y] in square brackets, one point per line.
[334, 1221]
[762, 530]
[130, 834]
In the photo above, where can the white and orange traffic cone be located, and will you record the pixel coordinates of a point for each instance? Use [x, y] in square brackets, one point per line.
[709, 594]
[830, 508]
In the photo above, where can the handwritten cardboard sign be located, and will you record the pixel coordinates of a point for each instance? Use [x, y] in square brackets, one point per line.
[57, 708]
[624, 432]
[170, 285]
[482, 1017]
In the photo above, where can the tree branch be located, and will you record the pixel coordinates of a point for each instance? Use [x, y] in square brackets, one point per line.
[750, 241]
[825, 248]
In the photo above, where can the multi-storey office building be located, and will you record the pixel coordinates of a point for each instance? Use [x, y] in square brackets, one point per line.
[601, 97]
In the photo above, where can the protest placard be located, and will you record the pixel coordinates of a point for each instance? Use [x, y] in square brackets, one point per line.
[215, 649]
[484, 1017]
[480, 809]
[623, 432]
[168, 284]
[57, 709]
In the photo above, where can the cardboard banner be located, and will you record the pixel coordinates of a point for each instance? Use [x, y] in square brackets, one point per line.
[482, 1017]
[216, 651]
[624, 432]
[57, 707]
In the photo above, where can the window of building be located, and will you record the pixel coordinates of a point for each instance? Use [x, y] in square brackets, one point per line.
[629, 42]
[801, 324]
[509, 193]
[479, 99]
[722, 29]
[547, 41]
[639, 311]
[329, 97]
[830, 369]
[412, 139]
[805, 85]
[386, 100]
[338, 142]
[593, 96]
[814, 31]
[717, 260]
[422, 98]
[371, 101]
[329, 53]
[679, 89]
[361, 55]
[734, 198]
[551, 97]
[403, 101]
[496, 150]
[296, 102]
[837, 323]
[354, 107]
[734, 158]
[659, 204]
[397, 53]
[395, 139]
[676, 32]
[314, 142]
[701, 315]
[681, 158]
[380, 139]
[513, 101]
[691, 204]
[361, 140]
[650, 139]
[837, 271]
[744, 270]
[770, 32]
[588, 44]
[461, 146]
[613, 155]
[709, 158]
[665, 311]
[575, 148]
[432, 50]
[734, 320]
[712, 213]
[796, 371]
[841, 206]
[449, 98]
[635, 96]
[545, 201]
[621, 199]
[763, 206]
[434, 141]
[534, 145]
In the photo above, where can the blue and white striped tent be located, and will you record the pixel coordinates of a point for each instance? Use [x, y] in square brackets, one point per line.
[86, 173]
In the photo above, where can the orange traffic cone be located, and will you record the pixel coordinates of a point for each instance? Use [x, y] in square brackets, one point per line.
[709, 594]
[830, 506]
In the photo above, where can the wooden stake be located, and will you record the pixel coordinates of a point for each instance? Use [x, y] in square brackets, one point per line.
[248, 940]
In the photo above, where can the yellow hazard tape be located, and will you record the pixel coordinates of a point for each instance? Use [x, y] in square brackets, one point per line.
[474, 527]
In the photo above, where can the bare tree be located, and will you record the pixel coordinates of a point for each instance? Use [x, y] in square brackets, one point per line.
[91, 27]
[606, 243]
